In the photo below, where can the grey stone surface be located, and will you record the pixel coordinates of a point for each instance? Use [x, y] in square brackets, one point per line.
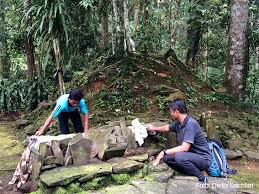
[82, 151]
[53, 160]
[21, 123]
[252, 155]
[160, 168]
[65, 175]
[117, 151]
[127, 189]
[122, 165]
[162, 176]
[232, 155]
[139, 158]
[150, 187]
[184, 186]
[221, 186]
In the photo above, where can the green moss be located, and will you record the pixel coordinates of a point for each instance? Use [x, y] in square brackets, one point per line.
[246, 177]
[60, 190]
[95, 184]
[10, 148]
[74, 188]
[120, 179]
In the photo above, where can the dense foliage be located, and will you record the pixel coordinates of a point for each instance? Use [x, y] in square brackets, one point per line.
[71, 34]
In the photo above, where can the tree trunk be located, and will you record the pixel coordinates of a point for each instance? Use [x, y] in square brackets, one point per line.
[29, 52]
[238, 50]
[58, 66]
[28, 45]
[136, 14]
[194, 32]
[119, 35]
[105, 24]
[175, 17]
[126, 27]
[4, 53]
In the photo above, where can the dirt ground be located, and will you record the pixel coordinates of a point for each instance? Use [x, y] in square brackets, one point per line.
[10, 152]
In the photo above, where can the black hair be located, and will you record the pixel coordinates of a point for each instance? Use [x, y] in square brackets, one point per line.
[76, 94]
[180, 105]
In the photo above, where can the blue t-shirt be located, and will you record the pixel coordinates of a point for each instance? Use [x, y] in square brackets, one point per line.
[191, 132]
[62, 105]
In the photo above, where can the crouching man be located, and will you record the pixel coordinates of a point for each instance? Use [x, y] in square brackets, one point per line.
[192, 156]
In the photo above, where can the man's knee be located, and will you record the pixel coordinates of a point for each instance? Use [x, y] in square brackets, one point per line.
[179, 157]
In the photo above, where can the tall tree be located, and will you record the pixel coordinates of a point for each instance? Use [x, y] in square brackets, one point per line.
[194, 31]
[126, 27]
[4, 52]
[136, 14]
[49, 19]
[28, 44]
[238, 59]
[174, 16]
[105, 24]
[119, 35]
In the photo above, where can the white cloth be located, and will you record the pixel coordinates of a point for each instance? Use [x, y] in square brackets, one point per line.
[35, 141]
[139, 130]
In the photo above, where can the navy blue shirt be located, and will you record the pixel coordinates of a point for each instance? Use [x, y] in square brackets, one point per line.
[191, 132]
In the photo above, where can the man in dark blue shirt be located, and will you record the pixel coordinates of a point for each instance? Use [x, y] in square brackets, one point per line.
[192, 156]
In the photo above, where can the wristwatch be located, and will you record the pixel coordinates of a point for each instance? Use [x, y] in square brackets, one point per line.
[165, 151]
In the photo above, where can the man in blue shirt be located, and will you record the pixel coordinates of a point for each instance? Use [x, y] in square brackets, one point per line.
[192, 156]
[67, 107]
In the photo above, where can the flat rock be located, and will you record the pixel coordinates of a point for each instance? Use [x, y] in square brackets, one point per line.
[30, 129]
[129, 189]
[221, 186]
[65, 175]
[117, 151]
[53, 160]
[21, 123]
[150, 187]
[82, 150]
[232, 155]
[162, 176]
[252, 155]
[122, 165]
[160, 168]
[184, 186]
[139, 158]
[153, 151]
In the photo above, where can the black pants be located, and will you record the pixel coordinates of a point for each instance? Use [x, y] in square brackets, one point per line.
[188, 163]
[75, 118]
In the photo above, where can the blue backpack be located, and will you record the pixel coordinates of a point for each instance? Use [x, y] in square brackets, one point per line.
[219, 165]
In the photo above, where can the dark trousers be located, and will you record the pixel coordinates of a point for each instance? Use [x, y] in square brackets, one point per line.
[188, 163]
[75, 118]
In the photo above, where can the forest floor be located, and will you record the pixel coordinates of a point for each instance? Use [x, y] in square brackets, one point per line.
[10, 152]
[11, 149]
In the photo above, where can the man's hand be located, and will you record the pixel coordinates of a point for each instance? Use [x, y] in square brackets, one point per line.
[39, 132]
[158, 158]
[151, 127]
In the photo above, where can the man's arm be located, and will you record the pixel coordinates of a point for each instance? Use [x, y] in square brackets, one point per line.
[164, 128]
[45, 126]
[182, 148]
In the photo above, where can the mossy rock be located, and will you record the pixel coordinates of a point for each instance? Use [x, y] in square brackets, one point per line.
[65, 175]
[176, 95]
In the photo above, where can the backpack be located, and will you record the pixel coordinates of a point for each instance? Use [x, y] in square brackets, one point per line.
[219, 165]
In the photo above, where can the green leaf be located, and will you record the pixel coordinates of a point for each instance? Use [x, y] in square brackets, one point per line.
[42, 21]
[65, 28]
[50, 25]
[51, 10]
